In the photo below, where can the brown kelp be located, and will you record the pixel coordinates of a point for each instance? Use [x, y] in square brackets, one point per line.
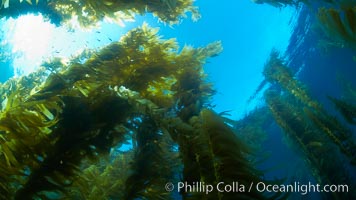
[56, 124]
[276, 72]
[153, 164]
[279, 74]
[209, 155]
[315, 132]
[339, 24]
[313, 144]
[101, 180]
[89, 12]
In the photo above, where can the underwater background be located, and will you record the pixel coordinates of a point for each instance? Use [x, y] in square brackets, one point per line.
[97, 103]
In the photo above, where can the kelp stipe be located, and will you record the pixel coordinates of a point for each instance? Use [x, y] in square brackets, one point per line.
[279, 74]
[312, 129]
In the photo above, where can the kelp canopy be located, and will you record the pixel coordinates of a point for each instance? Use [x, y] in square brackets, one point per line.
[89, 12]
[61, 126]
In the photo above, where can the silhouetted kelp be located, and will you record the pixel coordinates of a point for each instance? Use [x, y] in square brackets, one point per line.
[153, 164]
[310, 127]
[327, 144]
[337, 18]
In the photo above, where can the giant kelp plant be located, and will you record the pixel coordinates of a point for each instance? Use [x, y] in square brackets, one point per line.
[61, 126]
[310, 127]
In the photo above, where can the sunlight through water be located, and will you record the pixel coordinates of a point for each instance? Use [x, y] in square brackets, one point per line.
[31, 39]
[34, 41]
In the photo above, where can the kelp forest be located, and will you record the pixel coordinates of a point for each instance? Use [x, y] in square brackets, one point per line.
[62, 127]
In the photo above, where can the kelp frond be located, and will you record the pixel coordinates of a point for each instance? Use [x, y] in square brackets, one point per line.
[279, 74]
[339, 24]
[89, 12]
[212, 153]
[308, 124]
[276, 72]
[53, 120]
[314, 139]
[153, 164]
[103, 180]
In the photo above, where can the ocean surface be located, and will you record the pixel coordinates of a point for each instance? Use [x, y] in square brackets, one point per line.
[284, 85]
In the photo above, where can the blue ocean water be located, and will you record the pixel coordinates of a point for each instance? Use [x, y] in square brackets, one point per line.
[246, 43]
[248, 33]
